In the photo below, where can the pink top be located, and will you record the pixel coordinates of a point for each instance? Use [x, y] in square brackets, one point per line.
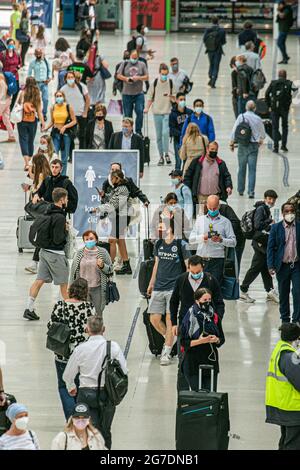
[89, 269]
[209, 181]
[290, 250]
[11, 64]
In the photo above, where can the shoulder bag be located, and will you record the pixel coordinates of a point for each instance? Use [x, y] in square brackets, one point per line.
[112, 292]
[58, 337]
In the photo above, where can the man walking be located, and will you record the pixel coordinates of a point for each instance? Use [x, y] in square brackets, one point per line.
[39, 68]
[279, 99]
[87, 361]
[177, 117]
[244, 76]
[283, 257]
[285, 21]
[248, 150]
[214, 38]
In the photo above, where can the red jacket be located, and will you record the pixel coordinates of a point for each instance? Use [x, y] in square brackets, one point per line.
[11, 64]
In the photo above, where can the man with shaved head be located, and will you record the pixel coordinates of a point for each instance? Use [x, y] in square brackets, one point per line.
[213, 233]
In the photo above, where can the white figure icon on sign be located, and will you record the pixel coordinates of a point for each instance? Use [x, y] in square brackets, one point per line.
[90, 177]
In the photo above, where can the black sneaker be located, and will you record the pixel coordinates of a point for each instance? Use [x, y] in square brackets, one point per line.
[30, 315]
[209, 82]
[284, 149]
[275, 150]
[126, 268]
[168, 160]
[161, 161]
[251, 196]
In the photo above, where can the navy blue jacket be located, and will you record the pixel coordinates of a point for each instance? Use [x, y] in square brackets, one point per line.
[177, 120]
[276, 245]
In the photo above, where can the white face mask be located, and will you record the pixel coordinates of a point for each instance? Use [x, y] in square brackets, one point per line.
[44, 147]
[146, 30]
[289, 218]
[296, 344]
[22, 423]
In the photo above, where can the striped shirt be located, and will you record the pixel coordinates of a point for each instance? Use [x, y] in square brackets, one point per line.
[24, 441]
[290, 250]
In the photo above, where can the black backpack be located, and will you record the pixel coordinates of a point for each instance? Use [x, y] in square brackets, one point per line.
[243, 132]
[258, 80]
[40, 233]
[131, 45]
[116, 382]
[187, 85]
[212, 41]
[247, 224]
[281, 94]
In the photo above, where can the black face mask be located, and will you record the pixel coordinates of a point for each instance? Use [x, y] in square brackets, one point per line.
[39, 57]
[99, 118]
[205, 306]
[213, 154]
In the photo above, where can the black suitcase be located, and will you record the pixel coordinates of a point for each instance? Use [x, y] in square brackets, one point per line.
[4, 421]
[202, 419]
[156, 340]
[145, 274]
[146, 140]
[148, 245]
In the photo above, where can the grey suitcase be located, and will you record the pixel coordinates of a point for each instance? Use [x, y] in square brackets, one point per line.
[23, 227]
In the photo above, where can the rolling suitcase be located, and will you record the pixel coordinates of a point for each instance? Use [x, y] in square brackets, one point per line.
[148, 245]
[202, 418]
[156, 340]
[23, 226]
[4, 421]
[146, 140]
[145, 274]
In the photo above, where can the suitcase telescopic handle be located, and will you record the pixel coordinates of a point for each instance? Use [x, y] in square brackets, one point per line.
[203, 367]
[147, 223]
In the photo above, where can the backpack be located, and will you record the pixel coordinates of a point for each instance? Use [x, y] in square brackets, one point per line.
[155, 85]
[187, 85]
[258, 80]
[247, 224]
[116, 382]
[11, 82]
[243, 132]
[40, 232]
[118, 84]
[212, 41]
[131, 45]
[281, 94]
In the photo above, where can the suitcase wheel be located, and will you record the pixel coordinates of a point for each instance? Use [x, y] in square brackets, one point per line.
[20, 250]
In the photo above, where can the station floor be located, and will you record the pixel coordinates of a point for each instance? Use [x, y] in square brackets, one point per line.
[146, 418]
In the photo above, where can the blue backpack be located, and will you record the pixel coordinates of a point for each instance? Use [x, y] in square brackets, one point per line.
[11, 82]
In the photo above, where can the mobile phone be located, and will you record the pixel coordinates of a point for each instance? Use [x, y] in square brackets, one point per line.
[166, 94]
[213, 233]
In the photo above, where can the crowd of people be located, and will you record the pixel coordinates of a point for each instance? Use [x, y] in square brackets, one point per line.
[194, 232]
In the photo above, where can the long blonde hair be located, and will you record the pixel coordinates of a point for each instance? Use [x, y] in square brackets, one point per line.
[40, 166]
[192, 132]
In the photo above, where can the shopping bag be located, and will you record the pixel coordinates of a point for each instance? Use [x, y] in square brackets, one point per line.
[104, 228]
[115, 108]
[17, 113]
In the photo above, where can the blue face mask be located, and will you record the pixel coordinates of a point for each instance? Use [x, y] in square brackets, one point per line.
[172, 208]
[197, 276]
[133, 61]
[175, 181]
[198, 110]
[181, 104]
[11, 47]
[70, 81]
[59, 100]
[213, 213]
[90, 244]
[125, 131]
[164, 78]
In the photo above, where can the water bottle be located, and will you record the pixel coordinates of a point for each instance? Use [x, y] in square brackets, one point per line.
[1, 162]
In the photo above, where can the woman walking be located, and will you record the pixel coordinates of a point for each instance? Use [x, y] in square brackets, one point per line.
[193, 145]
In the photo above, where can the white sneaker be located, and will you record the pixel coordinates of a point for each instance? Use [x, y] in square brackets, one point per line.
[32, 269]
[246, 298]
[272, 295]
[165, 358]
[118, 263]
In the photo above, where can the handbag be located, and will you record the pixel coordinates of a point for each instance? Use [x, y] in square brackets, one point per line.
[112, 292]
[16, 114]
[104, 72]
[21, 36]
[58, 337]
[230, 287]
[115, 108]
[116, 382]
[104, 228]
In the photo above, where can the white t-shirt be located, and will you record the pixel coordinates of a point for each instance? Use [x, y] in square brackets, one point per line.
[177, 79]
[141, 40]
[23, 442]
[75, 98]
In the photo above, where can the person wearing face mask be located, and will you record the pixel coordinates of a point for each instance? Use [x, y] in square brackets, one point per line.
[183, 193]
[283, 258]
[18, 437]
[39, 68]
[212, 233]
[201, 336]
[170, 209]
[171, 257]
[74, 312]
[177, 117]
[262, 223]
[93, 263]
[208, 175]
[51, 237]
[177, 75]
[133, 73]
[141, 42]
[79, 433]
[46, 147]
[76, 95]
[99, 129]
[63, 122]
[203, 121]
[160, 99]
[79, 65]
[11, 61]
[128, 140]
[183, 298]
[283, 387]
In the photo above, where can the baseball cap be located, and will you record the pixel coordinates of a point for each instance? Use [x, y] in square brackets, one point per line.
[81, 409]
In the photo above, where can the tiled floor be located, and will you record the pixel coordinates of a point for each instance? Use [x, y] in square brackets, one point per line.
[146, 418]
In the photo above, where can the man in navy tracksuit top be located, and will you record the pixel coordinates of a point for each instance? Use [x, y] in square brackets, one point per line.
[177, 119]
[203, 121]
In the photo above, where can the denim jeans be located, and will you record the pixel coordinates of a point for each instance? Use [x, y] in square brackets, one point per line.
[281, 45]
[67, 401]
[136, 103]
[161, 122]
[178, 160]
[45, 97]
[62, 143]
[247, 156]
[27, 131]
[286, 276]
[214, 64]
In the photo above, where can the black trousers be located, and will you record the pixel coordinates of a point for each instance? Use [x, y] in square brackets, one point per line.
[102, 411]
[276, 116]
[290, 438]
[24, 50]
[82, 125]
[258, 266]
